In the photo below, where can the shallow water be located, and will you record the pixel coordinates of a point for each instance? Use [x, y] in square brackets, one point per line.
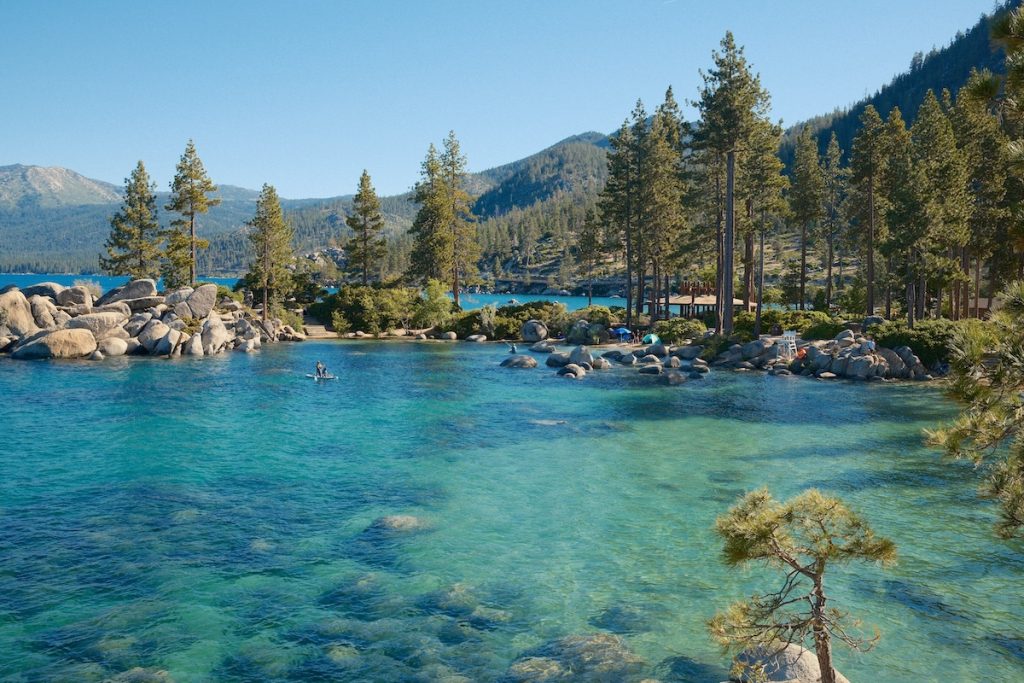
[209, 517]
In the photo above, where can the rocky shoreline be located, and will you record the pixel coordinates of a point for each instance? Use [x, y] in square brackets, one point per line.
[49, 320]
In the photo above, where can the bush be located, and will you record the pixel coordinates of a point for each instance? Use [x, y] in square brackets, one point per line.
[823, 330]
[223, 292]
[677, 329]
[291, 319]
[800, 321]
[369, 309]
[340, 324]
[931, 340]
[718, 343]
[434, 309]
[593, 314]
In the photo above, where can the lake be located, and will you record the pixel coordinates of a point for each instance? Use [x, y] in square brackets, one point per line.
[468, 301]
[214, 517]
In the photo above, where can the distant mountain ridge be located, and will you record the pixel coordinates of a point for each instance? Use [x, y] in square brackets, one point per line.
[56, 219]
[51, 186]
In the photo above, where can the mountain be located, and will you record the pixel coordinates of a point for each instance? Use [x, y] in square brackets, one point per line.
[945, 68]
[47, 187]
[53, 219]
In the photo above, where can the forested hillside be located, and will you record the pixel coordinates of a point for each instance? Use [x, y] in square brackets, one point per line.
[939, 69]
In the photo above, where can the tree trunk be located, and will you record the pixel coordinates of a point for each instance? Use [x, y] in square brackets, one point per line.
[629, 277]
[871, 247]
[888, 288]
[922, 294]
[760, 280]
[828, 273]
[977, 286]
[192, 263]
[803, 266]
[720, 249]
[668, 299]
[730, 235]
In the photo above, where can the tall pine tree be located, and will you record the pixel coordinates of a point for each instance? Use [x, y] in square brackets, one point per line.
[367, 248]
[190, 196]
[271, 239]
[806, 197]
[133, 247]
[834, 175]
[461, 222]
[867, 167]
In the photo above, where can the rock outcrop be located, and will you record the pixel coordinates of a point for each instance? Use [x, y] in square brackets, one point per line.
[63, 322]
[793, 664]
[533, 331]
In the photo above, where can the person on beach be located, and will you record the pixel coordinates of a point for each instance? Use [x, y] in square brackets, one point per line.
[321, 370]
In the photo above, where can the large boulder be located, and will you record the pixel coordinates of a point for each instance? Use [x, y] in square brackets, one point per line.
[543, 347]
[215, 335]
[659, 350]
[871, 320]
[897, 367]
[112, 346]
[59, 344]
[202, 300]
[136, 289]
[580, 333]
[755, 348]
[688, 352]
[533, 331]
[75, 296]
[44, 311]
[116, 307]
[194, 346]
[581, 354]
[478, 338]
[178, 296]
[16, 314]
[519, 361]
[100, 324]
[557, 360]
[792, 664]
[574, 369]
[152, 333]
[168, 344]
[144, 303]
[48, 289]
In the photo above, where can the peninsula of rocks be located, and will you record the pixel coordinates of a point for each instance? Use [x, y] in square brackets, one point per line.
[49, 320]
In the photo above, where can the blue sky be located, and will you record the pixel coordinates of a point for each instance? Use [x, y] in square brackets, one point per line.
[306, 94]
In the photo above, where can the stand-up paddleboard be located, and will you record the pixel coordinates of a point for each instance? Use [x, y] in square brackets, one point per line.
[322, 378]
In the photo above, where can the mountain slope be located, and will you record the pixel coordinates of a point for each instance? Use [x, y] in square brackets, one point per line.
[45, 187]
[946, 68]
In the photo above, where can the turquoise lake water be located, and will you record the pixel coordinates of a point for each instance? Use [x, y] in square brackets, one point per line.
[208, 517]
[468, 301]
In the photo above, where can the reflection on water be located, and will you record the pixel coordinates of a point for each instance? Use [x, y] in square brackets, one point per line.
[214, 519]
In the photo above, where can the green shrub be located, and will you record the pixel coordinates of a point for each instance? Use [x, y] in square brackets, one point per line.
[223, 292]
[930, 339]
[823, 330]
[717, 343]
[291, 318]
[799, 321]
[434, 309]
[678, 329]
[369, 309]
[593, 314]
[340, 324]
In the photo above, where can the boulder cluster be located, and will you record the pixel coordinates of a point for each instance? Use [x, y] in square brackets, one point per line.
[675, 364]
[49, 320]
[846, 356]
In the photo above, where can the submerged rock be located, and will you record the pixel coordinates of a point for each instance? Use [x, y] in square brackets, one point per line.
[398, 523]
[599, 657]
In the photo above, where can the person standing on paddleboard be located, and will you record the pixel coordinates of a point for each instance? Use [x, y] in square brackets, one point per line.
[321, 370]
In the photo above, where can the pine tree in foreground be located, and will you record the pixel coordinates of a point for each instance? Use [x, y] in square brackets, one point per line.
[988, 378]
[190, 192]
[133, 247]
[271, 239]
[802, 537]
[367, 248]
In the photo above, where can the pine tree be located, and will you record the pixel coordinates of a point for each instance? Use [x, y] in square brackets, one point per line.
[984, 146]
[461, 222]
[591, 245]
[945, 175]
[367, 248]
[834, 175]
[133, 247]
[432, 243]
[271, 239]
[731, 100]
[806, 197]
[615, 202]
[190, 192]
[907, 211]
[762, 186]
[867, 167]
[802, 537]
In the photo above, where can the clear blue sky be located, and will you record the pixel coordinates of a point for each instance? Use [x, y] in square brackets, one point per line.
[305, 94]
